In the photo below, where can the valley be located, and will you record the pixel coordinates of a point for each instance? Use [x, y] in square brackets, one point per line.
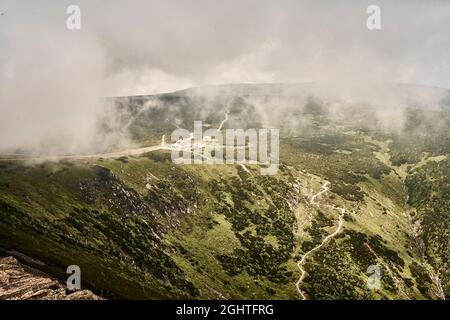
[349, 194]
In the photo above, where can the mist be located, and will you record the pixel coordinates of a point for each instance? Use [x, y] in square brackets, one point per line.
[53, 81]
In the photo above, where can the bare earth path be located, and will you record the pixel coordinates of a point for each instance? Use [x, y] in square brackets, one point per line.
[300, 263]
[223, 122]
[124, 153]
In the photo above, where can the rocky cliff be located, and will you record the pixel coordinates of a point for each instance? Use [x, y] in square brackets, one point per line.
[20, 282]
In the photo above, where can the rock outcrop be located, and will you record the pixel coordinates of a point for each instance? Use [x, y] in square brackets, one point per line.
[20, 282]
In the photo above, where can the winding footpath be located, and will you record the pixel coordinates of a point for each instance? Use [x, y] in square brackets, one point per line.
[300, 263]
[223, 122]
[124, 153]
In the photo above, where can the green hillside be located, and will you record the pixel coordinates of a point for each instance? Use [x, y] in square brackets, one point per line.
[142, 227]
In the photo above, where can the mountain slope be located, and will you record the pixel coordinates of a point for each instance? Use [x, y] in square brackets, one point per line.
[140, 226]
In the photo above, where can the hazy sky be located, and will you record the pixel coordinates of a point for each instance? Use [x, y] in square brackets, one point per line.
[152, 46]
[53, 75]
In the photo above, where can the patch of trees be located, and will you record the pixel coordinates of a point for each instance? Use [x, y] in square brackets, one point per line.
[429, 192]
[258, 209]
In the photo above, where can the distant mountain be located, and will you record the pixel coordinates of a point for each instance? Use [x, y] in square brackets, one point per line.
[415, 94]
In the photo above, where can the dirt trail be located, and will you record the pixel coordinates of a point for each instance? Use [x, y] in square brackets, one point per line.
[300, 263]
[223, 122]
[118, 154]
[124, 153]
